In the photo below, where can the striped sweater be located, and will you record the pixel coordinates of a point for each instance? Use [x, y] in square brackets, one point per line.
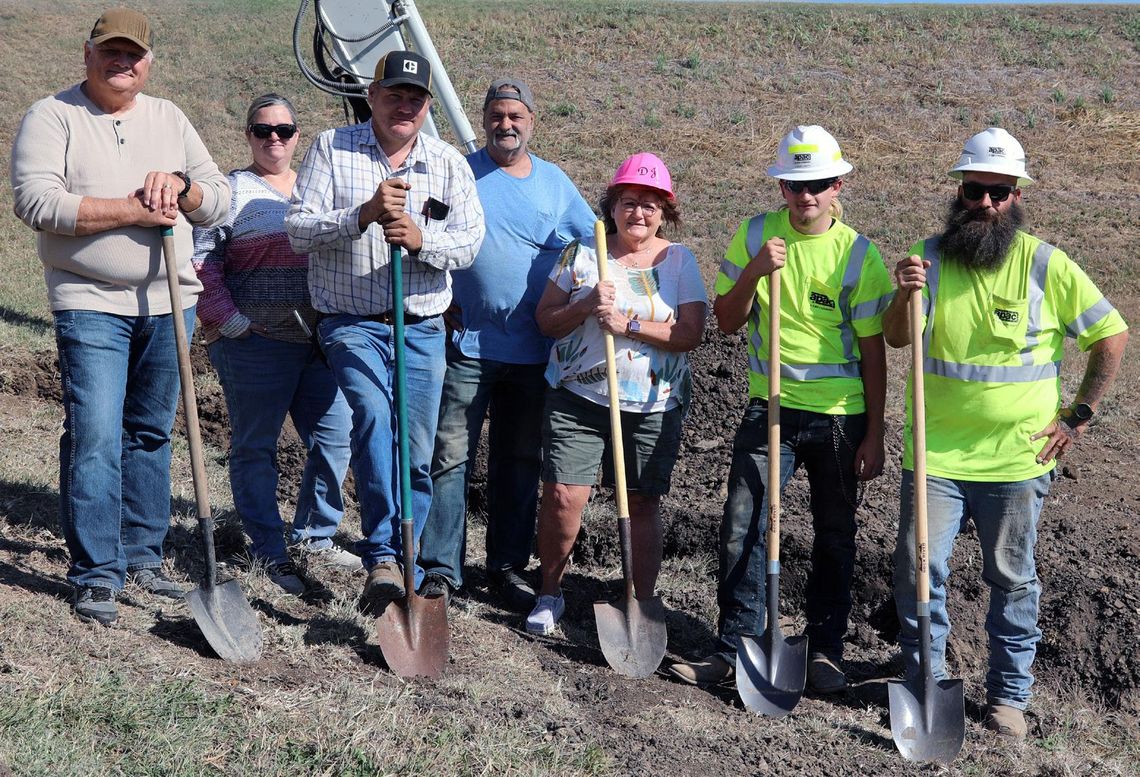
[248, 271]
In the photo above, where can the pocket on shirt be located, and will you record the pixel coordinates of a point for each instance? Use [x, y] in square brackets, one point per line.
[822, 302]
[1007, 318]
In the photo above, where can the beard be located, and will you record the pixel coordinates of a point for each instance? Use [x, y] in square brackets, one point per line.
[977, 242]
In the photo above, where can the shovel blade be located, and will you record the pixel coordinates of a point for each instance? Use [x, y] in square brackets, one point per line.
[928, 718]
[632, 634]
[227, 621]
[771, 672]
[413, 636]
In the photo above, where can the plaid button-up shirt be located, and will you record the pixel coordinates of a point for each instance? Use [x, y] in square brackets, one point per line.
[348, 269]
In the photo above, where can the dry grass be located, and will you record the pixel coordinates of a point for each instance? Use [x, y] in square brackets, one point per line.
[711, 89]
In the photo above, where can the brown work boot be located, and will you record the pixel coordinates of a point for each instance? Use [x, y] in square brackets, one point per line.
[710, 670]
[385, 582]
[825, 675]
[1006, 721]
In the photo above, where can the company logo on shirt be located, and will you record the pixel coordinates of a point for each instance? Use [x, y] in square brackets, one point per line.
[1007, 316]
[821, 300]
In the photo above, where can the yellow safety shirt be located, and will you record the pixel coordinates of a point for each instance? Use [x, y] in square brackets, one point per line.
[834, 289]
[992, 358]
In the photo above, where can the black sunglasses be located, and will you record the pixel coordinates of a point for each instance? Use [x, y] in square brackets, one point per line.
[263, 131]
[999, 192]
[813, 187]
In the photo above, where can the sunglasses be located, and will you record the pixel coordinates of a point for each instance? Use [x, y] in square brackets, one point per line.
[999, 192]
[263, 131]
[813, 187]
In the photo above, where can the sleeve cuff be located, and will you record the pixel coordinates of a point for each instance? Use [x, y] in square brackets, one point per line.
[237, 324]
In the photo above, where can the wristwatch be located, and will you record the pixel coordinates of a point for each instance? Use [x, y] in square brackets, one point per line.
[186, 183]
[633, 327]
[1077, 413]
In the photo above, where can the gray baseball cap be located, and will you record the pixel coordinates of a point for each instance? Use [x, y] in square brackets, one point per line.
[509, 89]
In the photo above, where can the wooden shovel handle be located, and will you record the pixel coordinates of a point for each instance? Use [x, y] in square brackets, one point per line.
[773, 490]
[918, 445]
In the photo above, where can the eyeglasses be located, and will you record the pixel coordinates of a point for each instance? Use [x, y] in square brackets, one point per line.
[263, 131]
[999, 192]
[648, 208]
[813, 187]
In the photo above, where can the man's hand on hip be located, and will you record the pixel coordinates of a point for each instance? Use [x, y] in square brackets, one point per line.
[1060, 438]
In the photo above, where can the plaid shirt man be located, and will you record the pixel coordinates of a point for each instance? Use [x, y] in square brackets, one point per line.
[348, 269]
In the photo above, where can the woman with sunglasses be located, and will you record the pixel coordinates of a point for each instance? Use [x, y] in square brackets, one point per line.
[834, 288]
[256, 318]
[654, 305]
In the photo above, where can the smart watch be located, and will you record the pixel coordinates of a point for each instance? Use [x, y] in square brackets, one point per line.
[186, 183]
[633, 327]
[1077, 413]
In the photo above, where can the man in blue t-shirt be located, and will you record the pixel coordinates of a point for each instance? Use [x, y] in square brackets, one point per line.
[496, 355]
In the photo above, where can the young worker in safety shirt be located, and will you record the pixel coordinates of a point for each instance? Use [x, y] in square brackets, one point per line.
[834, 289]
[998, 304]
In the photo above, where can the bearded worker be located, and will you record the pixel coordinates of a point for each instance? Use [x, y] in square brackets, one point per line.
[997, 305]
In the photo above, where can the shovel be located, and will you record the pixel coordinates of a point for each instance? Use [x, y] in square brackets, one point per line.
[413, 637]
[771, 672]
[221, 611]
[631, 631]
[928, 716]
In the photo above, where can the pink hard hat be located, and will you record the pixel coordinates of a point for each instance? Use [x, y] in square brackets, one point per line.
[645, 169]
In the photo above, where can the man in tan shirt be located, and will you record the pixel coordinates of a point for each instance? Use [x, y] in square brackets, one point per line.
[97, 170]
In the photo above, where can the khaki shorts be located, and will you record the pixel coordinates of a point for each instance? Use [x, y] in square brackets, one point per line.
[576, 439]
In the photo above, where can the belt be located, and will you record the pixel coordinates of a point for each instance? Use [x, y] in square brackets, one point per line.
[389, 318]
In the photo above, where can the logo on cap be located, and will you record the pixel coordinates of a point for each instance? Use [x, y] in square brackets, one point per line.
[411, 66]
[647, 171]
[997, 151]
[802, 159]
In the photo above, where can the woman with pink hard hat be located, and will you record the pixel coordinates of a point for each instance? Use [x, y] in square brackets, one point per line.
[653, 303]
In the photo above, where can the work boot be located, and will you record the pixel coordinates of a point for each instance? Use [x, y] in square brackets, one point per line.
[710, 670]
[1006, 721]
[434, 586]
[547, 612]
[155, 581]
[328, 556]
[512, 589]
[284, 575]
[824, 675]
[95, 604]
[385, 583]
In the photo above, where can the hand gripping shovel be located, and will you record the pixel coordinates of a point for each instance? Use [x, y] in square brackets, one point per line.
[928, 716]
[412, 637]
[221, 611]
[771, 672]
[631, 631]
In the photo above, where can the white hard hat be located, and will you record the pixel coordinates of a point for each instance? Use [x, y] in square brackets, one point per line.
[993, 150]
[809, 154]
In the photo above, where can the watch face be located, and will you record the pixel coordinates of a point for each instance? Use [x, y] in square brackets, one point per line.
[634, 325]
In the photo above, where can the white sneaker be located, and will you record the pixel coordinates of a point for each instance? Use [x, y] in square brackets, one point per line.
[546, 614]
[331, 557]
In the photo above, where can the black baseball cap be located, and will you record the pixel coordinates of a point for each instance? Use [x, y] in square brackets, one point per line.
[509, 89]
[408, 68]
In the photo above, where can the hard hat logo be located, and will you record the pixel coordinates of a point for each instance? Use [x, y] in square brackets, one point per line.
[809, 153]
[997, 151]
[647, 172]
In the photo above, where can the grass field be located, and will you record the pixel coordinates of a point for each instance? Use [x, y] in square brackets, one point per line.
[711, 89]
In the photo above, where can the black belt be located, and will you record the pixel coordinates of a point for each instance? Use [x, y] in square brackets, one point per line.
[758, 401]
[389, 318]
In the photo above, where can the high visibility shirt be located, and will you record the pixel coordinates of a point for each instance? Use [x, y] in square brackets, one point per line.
[834, 289]
[992, 357]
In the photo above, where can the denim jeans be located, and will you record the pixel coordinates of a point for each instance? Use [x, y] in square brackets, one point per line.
[514, 394]
[825, 445]
[263, 380]
[120, 393]
[1005, 515]
[362, 356]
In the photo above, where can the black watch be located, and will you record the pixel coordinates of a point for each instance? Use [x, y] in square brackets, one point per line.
[185, 181]
[1077, 413]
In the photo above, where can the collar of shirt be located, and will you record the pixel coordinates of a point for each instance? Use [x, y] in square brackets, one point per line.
[416, 159]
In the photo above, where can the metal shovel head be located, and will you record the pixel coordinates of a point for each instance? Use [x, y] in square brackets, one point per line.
[413, 636]
[928, 718]
[632, 634]
[229, 623]
[771, 672]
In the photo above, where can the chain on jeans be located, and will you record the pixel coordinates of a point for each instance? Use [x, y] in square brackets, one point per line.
[838, 435]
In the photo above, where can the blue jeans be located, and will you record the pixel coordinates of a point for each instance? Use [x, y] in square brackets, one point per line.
[120, 393]
[1005, 515]
[514, 393]
[362, 356]
[825, 445]
[264, 380]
